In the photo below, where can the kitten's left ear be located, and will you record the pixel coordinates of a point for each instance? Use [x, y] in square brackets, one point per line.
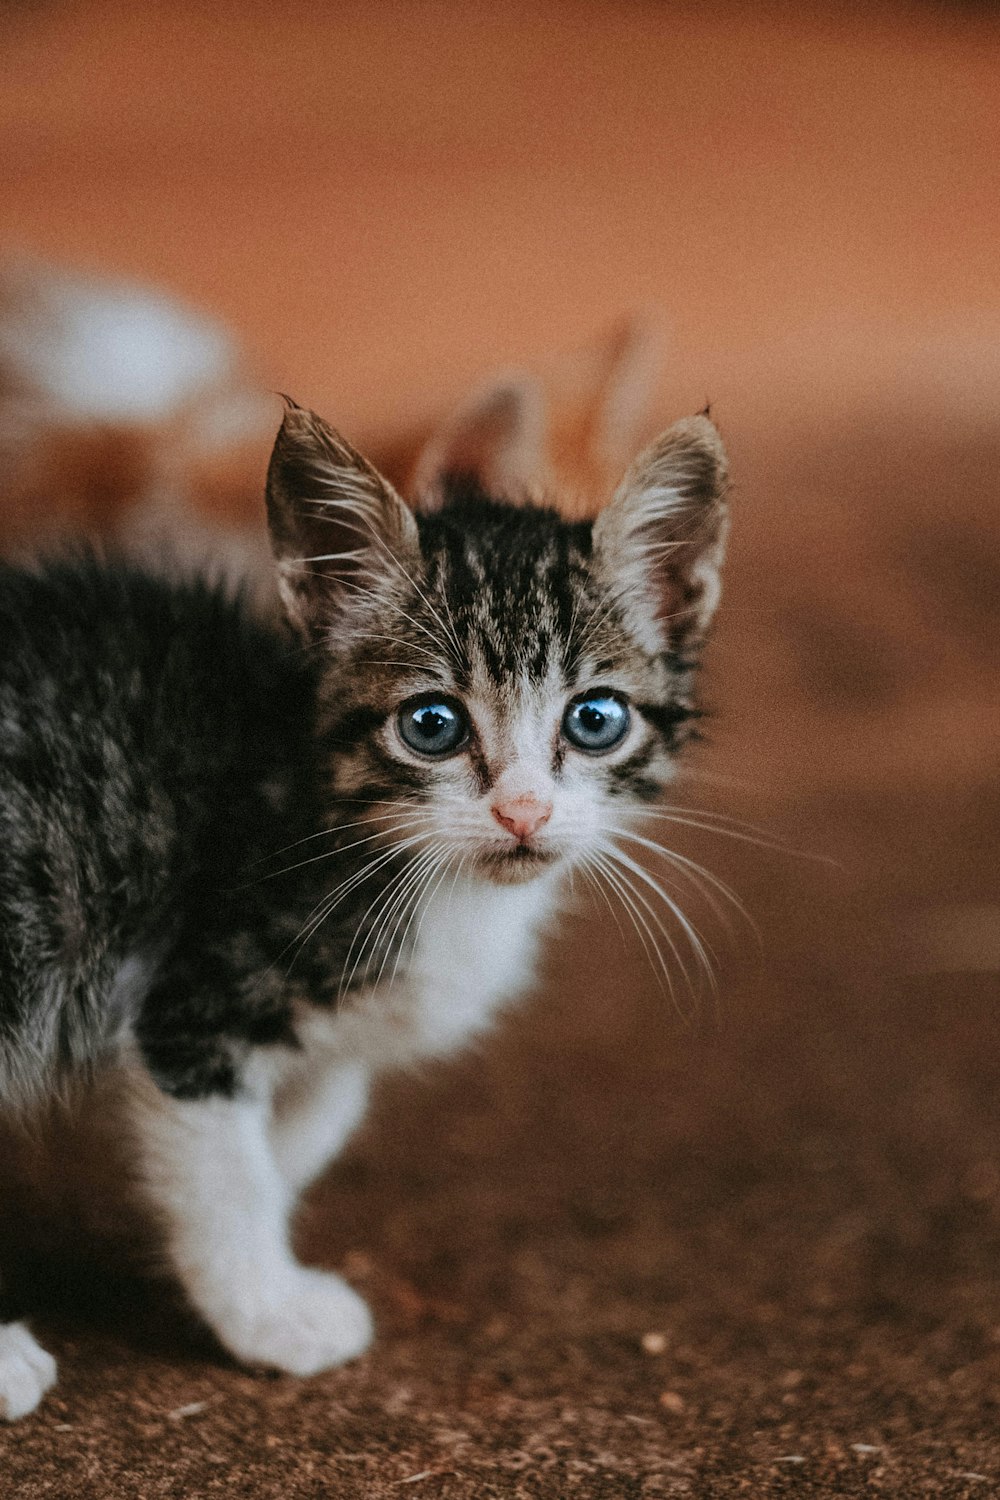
[335, 523]
[660, 542]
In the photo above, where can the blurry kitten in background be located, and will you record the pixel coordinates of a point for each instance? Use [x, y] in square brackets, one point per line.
[126, 415]
[239, 878]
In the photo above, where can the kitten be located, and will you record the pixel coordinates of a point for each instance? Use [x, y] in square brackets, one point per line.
[244, 871]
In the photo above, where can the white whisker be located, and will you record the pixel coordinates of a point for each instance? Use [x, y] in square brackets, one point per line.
[697, 945]
[429, 891]
[335, 829]
[333, 900]
[345, 848]
[643, 930]
[384, 902]
[703, 880]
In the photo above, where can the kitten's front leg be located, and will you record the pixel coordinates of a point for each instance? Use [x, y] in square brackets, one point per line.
[314, 1113]
[211, 1176]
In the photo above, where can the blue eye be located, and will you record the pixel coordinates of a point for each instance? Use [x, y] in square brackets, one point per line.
[433, 727]
[596, 722]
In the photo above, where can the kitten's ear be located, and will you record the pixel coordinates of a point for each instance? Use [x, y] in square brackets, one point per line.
[496, 437]
[335, 522]
[660, 542]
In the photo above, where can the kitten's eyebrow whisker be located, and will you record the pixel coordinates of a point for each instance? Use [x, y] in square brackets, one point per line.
[434, 656]
[448, 629]
[445, 626]
[335, 556]
[384, 601]
[371, 661]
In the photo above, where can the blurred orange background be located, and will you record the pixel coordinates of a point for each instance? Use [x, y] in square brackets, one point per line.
[387, 200]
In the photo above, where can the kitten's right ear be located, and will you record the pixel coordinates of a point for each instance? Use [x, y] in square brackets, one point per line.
[335, 522]
[496, 437]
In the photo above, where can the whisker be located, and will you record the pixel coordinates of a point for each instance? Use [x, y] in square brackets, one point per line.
[698, 946]
[596, 885]
[435, 656]
[330, 902]
[664, 931]
[429, 890]
[385, 901]
[454, 883]
[746, 833]
[336, 828]
[643, 930]
[345, 848]
[703, 880]
[385, 602]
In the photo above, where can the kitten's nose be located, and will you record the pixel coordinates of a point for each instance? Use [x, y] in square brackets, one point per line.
[522, 816]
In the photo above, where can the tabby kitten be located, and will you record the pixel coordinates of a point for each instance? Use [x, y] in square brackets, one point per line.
[244, 871]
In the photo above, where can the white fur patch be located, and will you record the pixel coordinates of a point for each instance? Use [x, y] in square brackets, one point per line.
[317, 1108]
[26, 1371]
[211, 1175]
[475, 952]
[103, 351]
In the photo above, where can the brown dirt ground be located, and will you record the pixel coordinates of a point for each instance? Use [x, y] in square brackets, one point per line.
[799, 1196]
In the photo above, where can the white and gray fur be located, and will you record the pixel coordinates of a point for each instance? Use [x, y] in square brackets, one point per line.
[231, 894]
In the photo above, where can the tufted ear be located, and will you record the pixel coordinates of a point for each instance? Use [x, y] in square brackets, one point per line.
[660, 542]
[496, 437]
[336, 525]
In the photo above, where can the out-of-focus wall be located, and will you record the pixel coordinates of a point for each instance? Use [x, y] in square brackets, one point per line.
[387, 199]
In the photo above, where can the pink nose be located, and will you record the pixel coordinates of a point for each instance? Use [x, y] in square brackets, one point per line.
[522, 816]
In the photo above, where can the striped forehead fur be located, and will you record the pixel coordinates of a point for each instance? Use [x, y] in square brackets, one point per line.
[504, 606]
[502, 603]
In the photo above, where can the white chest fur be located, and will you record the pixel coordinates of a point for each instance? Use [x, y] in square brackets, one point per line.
[475, 950]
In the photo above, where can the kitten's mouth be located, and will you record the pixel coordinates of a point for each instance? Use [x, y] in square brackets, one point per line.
[518, 863]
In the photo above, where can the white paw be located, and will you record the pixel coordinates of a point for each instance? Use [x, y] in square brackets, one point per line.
[312, 1322]
[26, 1372]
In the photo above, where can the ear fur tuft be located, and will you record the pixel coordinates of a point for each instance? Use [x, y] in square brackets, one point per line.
[333, 520]
[664, 535]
